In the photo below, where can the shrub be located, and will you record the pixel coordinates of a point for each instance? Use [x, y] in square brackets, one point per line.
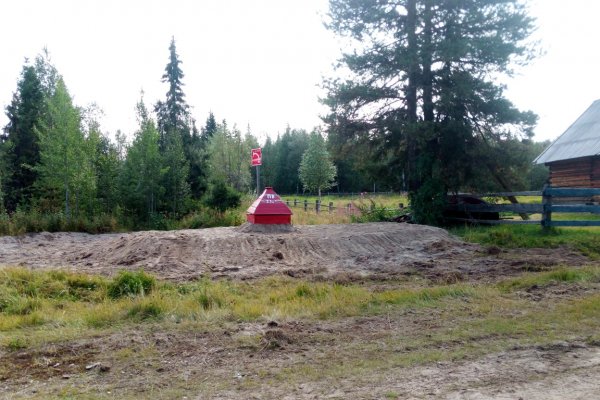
[207, 218]
[222, 197]
[374, 213]
[129, 283]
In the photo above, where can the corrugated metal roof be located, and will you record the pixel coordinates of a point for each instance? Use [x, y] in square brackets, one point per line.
[582, 139]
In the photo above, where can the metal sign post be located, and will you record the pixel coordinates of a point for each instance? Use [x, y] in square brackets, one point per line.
[256, 162]
[257, 179]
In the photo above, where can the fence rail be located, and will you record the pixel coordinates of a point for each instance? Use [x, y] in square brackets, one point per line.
[347, 208]
[580, 200]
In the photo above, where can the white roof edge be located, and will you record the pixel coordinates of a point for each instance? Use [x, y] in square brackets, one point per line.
[541, 156]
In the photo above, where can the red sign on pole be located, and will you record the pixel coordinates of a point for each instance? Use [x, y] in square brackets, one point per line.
[256, 157]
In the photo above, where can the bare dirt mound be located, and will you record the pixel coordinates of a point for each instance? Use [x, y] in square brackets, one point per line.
[347, 252]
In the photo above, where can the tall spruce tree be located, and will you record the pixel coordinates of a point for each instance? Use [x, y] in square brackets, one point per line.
[20, 145]
[210, 127]
[424, 93]
[174, 119]
[173, 113]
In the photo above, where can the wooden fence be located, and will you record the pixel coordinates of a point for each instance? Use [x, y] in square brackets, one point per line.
[346, 208]
[554, 199]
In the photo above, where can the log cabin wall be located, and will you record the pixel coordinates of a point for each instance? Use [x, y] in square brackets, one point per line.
[579, 172]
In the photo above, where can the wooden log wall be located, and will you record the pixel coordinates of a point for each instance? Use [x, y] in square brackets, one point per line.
[579, 172]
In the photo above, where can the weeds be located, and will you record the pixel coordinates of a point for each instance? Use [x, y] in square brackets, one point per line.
[590, 274]
[585, 240]
[31, 298]
[129, 283]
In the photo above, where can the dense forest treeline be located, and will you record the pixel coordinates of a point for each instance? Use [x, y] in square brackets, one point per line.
[59, 170]
[408, 123]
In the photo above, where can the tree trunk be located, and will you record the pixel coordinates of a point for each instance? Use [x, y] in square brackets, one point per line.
[411, 94]
[67, 210]
[505, 186]
[426, 59]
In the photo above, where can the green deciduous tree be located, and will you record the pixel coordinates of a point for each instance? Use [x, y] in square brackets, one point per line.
[176, 175]
[289, 149]
[317, 172]
[229, 157]
[423, 92]
[65, 168]
[143, 173]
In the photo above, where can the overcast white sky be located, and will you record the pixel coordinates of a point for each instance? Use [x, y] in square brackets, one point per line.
[256, 62]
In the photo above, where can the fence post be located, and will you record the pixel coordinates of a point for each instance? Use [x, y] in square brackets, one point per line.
[287, 203]
[305, 205]
[546, 208]
[317, 205]
[295, 202]
[330, 207]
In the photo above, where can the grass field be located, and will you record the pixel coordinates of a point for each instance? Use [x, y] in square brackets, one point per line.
[51, 310]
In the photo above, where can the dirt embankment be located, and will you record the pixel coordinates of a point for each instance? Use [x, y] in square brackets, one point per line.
[344, 252]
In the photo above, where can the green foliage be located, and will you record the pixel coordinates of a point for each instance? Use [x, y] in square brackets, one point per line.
[222, 197]
[21, 283]
[454, 128]
[229, 157]
[21, 222]
[210, 218]
[129, 283]
[281, 161]
[17, 343]
[317, 172]
[179, 140]
[175, 180]
[585, 240]
[19, 144]
[427, 202]
[372, 212]
[142, 185]
[65, 168]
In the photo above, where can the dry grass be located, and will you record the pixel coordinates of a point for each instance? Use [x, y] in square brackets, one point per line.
[341, 214]
[369, 327]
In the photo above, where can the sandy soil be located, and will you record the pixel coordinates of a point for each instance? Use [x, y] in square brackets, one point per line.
[341, 252]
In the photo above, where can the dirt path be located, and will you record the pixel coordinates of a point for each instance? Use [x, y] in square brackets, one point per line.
[293, 360]
[341, 252]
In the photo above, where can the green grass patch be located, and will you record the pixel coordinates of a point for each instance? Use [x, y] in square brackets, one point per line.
[585, 240]
[128, 283]
[584, 275]
[68, 302]
[408, 323]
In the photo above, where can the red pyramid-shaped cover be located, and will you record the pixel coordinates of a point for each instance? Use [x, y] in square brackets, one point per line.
[269, 203]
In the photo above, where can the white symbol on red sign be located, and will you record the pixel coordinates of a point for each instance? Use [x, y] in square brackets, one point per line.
[256, 157]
